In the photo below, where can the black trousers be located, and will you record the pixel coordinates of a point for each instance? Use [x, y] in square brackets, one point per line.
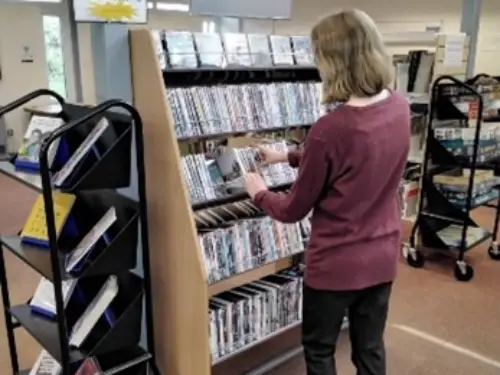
[323, 313]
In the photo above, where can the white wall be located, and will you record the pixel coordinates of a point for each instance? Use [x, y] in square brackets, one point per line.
[18, 78]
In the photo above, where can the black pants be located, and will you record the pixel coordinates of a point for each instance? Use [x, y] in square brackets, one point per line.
[323, 313]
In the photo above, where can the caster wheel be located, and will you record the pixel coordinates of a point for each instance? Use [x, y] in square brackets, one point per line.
[463, 272]
[414, 258]
[494, 252]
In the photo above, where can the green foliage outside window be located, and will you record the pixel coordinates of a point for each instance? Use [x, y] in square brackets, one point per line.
[54, 54]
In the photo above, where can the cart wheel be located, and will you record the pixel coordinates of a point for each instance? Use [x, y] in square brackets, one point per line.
[414, 258]
[494, 252]
[463, 272]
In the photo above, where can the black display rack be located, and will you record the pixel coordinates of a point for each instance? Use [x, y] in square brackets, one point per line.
[435, 211]
[117, 347]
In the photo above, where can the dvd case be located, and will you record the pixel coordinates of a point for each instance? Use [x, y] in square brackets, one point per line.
[260, 50]
[282, 50]
[237, 49]
[210, 50]
[181, 52]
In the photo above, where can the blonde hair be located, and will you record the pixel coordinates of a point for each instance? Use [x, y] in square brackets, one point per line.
[350, 56]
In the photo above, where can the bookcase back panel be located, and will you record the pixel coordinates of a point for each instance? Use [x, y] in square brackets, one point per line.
[178, 275]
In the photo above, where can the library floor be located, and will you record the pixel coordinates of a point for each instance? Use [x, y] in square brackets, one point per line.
[436, 325]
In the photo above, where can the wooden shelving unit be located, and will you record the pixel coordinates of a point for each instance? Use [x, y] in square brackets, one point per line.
[180, 287]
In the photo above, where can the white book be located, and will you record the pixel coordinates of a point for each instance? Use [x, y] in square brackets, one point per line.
[45, 365]
[80, 152]
[44, 300]
[90, 239]
[93, 312]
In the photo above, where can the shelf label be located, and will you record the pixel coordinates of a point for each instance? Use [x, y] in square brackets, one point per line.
[111, 11]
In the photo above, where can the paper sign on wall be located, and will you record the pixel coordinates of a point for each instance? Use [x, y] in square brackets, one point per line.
[454, 50]
[112, 11]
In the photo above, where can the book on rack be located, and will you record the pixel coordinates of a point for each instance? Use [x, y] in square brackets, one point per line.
[89, 366]
[43, 301]
[455, 186]
[302, 50]
[45, 365]
[459, 180]
[281, 50]
[248, 244]
[211, 110]
[210, 50]
[452, 235]
[99, 306]
[260, 50]
[76, 258]
[467, 104]
[237, 50]
[35, 229]
[250, 313]
[181, 52]
[459, 141]
[39, 128]
[88, 145]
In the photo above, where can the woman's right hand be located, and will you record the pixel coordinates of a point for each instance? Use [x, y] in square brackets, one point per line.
[270, 156]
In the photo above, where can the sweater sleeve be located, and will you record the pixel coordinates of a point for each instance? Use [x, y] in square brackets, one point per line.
[294, 157]
[295, 205]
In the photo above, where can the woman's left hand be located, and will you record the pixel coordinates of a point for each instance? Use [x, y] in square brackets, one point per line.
[254, 184]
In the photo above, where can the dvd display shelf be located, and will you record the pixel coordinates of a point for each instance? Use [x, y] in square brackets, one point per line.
[459, 173]
[114, 344]
[182, 297]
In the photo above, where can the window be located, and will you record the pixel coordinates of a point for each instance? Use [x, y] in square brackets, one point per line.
[54, 54]
[208, 27]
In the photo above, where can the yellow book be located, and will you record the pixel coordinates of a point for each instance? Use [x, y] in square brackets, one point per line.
[35, 229]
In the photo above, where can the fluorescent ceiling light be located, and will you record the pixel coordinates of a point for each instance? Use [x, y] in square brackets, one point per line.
[172, 7]
[151, 5]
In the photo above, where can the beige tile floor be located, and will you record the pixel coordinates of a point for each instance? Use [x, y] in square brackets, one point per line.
[428, 300]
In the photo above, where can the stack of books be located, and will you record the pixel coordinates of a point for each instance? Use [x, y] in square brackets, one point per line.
[454, 186]
[452, 235]
[459, 141]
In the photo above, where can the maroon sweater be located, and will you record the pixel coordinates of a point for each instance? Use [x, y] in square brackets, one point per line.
[349, 172]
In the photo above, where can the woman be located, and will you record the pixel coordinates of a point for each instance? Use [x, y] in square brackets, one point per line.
[349, 172]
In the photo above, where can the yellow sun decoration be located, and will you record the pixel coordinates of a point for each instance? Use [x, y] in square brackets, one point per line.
[112, 10]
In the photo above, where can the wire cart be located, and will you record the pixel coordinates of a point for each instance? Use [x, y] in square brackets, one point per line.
[116, 342]
[457, 175]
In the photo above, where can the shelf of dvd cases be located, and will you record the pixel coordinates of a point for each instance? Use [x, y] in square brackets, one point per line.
[195, 202]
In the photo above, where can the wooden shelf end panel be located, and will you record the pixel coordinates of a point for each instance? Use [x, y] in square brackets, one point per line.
[178, 275]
